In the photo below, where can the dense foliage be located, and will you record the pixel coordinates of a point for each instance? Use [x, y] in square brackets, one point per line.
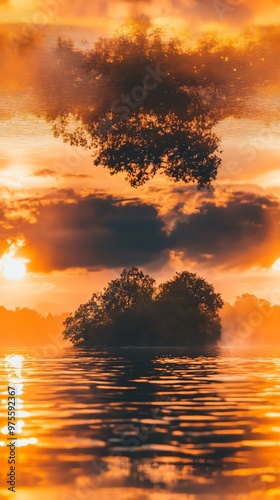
[138, 109]
[145, 103]
[132, 311]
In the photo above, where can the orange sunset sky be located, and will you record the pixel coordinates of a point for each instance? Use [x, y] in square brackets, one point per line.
[74, 225]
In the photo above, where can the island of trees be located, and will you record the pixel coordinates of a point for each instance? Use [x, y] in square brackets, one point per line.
[133, 311]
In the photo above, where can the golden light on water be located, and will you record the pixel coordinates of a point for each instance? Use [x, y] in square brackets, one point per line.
[15, 360]
[13, 367]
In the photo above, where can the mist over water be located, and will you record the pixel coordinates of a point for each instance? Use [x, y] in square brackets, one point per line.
[147, 423]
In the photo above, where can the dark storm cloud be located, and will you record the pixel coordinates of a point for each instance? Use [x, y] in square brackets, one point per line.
[93, 233]
[97, 232]
[242, 232]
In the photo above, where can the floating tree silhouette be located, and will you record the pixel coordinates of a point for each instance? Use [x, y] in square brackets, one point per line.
[138, 107]
[145, 103]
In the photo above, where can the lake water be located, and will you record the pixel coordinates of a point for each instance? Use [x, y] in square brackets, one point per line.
[143, 424]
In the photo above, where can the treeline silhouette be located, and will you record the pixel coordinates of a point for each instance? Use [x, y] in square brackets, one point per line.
[250, 321]
[133, 311]
[26, 327]
[139, 320]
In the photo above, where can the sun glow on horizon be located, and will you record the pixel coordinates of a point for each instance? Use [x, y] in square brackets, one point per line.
[13, 268]
[276, 265]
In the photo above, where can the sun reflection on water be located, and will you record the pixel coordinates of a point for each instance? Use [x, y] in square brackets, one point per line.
[14, 368]
[142, 425]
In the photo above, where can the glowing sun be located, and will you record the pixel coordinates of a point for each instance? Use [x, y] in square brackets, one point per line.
[14, 269]
[276, 265]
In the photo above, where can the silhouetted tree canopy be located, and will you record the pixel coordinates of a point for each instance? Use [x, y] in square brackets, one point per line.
[145, 112]
[145, 103]
[133, 311]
